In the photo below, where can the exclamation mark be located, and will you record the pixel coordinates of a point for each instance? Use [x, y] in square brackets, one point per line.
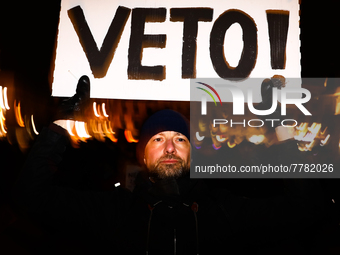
[278, 22]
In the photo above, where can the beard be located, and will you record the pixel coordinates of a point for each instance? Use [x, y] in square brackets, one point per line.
[164, 171]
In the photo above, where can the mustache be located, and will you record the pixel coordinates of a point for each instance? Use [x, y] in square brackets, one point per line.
[169, 156]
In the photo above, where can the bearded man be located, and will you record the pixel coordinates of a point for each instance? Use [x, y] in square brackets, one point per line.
[167, 213]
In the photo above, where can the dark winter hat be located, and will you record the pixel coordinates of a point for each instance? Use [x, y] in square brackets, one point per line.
[164, 120]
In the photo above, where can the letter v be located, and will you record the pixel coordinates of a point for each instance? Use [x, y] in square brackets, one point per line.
[99, 60]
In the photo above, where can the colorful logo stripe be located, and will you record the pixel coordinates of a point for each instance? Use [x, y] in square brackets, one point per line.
[209, 92]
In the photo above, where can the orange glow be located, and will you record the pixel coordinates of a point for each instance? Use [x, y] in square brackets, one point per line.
[337, 107]
[2, 123]
[81, 130]
[109, 132]
[17, 110]
[323, 132]
[129, 136]
[69, 128]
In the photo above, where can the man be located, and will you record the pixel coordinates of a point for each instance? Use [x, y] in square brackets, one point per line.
[167, 213]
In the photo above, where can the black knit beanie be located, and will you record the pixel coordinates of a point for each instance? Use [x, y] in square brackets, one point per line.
[164, 120]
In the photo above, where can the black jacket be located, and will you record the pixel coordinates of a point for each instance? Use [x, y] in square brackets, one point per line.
[180, 216]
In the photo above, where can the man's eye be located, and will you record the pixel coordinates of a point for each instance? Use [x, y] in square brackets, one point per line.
[158, 139]
[180, 139]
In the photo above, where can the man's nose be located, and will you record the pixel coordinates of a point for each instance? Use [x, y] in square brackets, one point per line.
[169, 146]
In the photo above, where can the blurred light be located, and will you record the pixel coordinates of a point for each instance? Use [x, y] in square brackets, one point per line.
[81, 129]
[198, 137]
[5, 98]
[337, 107]
[104, 111]
[216, 147]
[117, 184]
[220, 138]
[308, 134]
[202, 126]
[315, 128]
[323, 142]
[1, 99]
[17, 110]
[109, 132]
[256, 139]
[302, 126]
[129, 136]
[69, 128]
[310, 145]
[2, 123]
[231, 145]
[33, 126]
[95, 109]
[2, 117]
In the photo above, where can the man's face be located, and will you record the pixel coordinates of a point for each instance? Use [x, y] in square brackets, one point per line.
[167, 154]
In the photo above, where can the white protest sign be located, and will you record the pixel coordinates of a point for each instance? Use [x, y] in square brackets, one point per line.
[149, 50]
